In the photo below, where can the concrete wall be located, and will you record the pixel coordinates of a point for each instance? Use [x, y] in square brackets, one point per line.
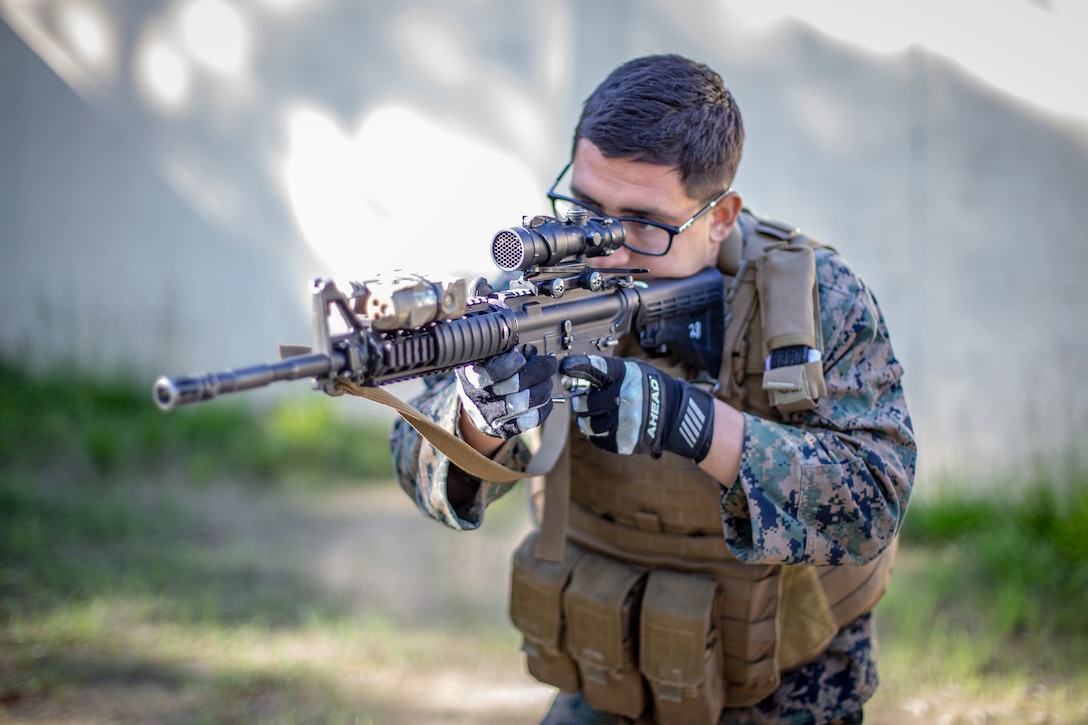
[172, 174]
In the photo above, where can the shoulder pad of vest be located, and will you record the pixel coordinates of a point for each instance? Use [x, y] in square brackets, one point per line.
[776, 229]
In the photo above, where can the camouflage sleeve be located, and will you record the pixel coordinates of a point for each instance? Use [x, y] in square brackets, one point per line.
[423, 471]
[830, 485]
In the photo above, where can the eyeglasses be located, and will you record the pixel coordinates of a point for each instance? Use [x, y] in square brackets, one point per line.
[642, 235]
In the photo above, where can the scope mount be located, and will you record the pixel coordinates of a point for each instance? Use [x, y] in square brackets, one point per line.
[554, 281]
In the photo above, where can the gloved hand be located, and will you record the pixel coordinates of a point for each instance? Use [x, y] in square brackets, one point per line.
[632, 407]
[508, 394]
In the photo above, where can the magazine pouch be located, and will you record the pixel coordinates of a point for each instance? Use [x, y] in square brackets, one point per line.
[601, 606]
[536, 609]
[680, 654]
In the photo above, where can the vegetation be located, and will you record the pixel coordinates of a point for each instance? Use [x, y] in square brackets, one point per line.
[988, 603]
[1022, 557]
[104, 428]
[163, 568]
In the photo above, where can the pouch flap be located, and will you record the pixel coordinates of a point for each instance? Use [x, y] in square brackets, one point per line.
[785, 279]
[796, 387]
[599, 603]
[536, 589]
[788, 379]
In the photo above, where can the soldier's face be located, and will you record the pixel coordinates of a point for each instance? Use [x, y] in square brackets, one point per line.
[622, 187]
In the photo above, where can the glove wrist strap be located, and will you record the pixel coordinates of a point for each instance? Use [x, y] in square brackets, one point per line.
[693, 426]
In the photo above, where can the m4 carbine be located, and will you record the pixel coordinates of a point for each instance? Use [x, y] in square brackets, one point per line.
[400, 326]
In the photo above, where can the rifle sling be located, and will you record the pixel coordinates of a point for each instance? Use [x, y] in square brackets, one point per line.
[553, 450]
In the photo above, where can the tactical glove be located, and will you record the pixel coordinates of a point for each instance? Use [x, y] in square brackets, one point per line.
[632, 407]
[507, 394]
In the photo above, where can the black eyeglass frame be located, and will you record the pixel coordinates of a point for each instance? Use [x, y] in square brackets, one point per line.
[554, 197]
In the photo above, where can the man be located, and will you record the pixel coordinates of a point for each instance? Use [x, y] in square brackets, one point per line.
[747, 531]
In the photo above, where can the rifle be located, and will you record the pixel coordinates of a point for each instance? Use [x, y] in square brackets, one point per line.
[401, 326]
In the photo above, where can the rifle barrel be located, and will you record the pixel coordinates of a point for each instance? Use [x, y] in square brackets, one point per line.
[169, 393]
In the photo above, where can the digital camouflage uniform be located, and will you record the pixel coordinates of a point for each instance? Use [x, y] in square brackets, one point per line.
[828, 486]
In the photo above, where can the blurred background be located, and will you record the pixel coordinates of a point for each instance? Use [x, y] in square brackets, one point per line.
[173, 173]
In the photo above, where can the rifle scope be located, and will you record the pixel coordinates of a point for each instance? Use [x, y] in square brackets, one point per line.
[545, 241]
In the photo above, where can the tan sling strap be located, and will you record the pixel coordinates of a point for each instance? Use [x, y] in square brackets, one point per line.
[551, 459]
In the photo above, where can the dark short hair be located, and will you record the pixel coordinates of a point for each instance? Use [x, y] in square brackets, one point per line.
[672, 111]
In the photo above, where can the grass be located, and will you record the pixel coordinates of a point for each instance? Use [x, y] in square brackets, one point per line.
[113, 587]
[107, 427]
[172, 568]
[1019, 560]
[988, 599]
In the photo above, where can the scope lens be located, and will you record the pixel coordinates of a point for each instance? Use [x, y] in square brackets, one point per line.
[508, 250]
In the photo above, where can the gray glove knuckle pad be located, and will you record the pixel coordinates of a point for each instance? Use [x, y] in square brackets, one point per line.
[507, 394]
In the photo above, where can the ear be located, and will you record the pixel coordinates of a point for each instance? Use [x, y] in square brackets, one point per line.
[724, 216]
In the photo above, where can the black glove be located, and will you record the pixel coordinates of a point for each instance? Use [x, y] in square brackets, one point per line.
[632, 407]
[508, 394]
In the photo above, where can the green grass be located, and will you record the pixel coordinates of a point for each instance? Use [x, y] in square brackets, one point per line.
[105, 427]
[989, 598]
[116, 587]
[1020, 559]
